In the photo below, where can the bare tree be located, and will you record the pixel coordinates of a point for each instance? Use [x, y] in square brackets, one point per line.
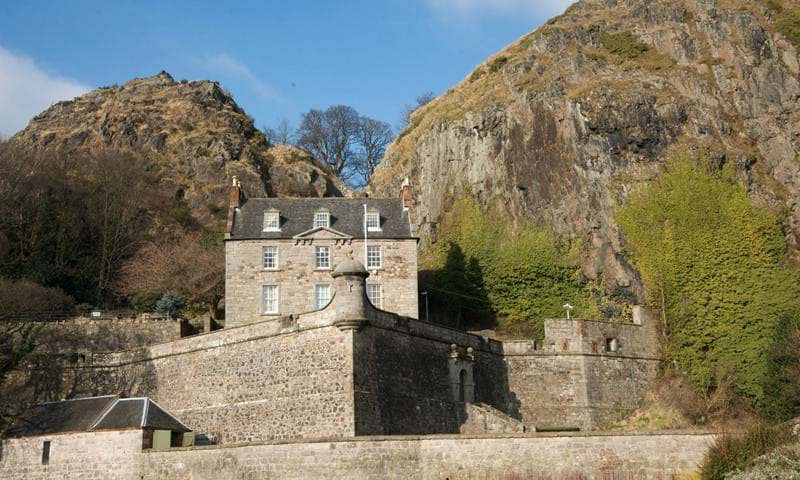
[330, 136]
[405, 116]
[346, 143]
[184, 265]
[282, 132]
[373, 136]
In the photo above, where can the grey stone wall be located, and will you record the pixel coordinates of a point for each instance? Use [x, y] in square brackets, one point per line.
[82, 334]
[276, 379]
[296, 276]
[350, 369]
[81, 456]
[635, 457]
[118, 455]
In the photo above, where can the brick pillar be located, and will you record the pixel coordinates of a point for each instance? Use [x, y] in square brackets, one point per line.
[237, 199]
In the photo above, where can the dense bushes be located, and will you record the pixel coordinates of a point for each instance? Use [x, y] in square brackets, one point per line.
[714, 264]
[73, 221]
[732, 453]
[483, 267]
[24, 300]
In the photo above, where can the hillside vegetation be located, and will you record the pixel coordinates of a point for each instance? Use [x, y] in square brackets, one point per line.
[715, 266]
[484, 269]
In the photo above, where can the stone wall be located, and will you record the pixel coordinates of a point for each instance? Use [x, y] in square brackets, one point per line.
[572, 380]
[282, 378]
[351, 369]
[406, 384]
[113, 455]
[108, 333]
[118, 455]
[296, 276]
[407, 375]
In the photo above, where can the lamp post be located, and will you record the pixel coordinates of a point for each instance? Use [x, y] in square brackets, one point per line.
[425, 294]
[568, 308]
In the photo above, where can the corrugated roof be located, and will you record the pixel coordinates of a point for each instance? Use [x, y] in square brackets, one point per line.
[96, 413]
[297, 216]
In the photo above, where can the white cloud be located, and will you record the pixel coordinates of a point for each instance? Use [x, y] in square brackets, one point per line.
[534, 9]
[229, 66]
[26, 90]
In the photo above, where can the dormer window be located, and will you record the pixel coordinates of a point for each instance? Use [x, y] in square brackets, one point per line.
[373, 221]
[272, 221]
[322, 218]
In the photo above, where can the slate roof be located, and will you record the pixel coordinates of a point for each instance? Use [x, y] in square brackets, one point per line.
[297, 216]
[76, 415]
[92, 414]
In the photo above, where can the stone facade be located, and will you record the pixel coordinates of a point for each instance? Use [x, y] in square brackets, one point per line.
[112, 455]
[108, 333]
[297, 278]
[119, 455]
[351, 369]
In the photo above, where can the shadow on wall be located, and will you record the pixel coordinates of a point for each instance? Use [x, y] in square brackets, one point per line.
[456, 293]
[46, 376]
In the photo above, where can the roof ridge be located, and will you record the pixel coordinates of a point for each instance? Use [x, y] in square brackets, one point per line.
[109, 406]
[74, 399]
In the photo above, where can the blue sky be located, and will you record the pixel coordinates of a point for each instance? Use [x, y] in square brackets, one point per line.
[278, 59]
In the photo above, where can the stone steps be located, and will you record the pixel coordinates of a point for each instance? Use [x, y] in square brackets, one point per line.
[482, 418]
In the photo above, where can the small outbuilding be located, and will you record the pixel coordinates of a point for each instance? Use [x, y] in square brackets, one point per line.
[65, 431]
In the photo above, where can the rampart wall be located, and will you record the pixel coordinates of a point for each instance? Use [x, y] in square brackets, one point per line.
[663, 455]
[325, 374]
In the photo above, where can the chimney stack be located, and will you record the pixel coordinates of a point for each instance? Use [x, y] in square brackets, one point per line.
[406, 194]
[237, 199]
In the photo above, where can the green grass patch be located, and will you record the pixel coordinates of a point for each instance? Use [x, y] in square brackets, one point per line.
[624, 44]
[557, 428]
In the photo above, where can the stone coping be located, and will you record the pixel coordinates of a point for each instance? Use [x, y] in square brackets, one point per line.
[421, 438]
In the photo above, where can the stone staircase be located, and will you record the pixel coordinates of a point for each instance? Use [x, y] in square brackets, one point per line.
[482, 418]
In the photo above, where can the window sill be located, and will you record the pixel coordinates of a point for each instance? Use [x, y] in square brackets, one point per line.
[276, 314]
[322, 269]
[270, 269]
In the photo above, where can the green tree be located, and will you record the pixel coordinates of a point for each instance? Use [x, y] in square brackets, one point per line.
[714, 264]
[520, 276]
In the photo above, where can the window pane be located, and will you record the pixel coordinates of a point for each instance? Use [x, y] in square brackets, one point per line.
[321, 219]
[322, 295]
[373, 221]
[322, 258]
[374, 259]
[272, 221]
[270, 298]
[270, 257]
[375, 294]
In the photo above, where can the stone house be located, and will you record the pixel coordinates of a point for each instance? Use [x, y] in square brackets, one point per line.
[279, 253]
[79, 436]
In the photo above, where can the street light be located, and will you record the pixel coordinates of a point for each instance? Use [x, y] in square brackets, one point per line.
[425, 294]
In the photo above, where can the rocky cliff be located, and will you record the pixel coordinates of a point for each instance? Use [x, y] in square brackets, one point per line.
[195, 134]
[562, 124]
